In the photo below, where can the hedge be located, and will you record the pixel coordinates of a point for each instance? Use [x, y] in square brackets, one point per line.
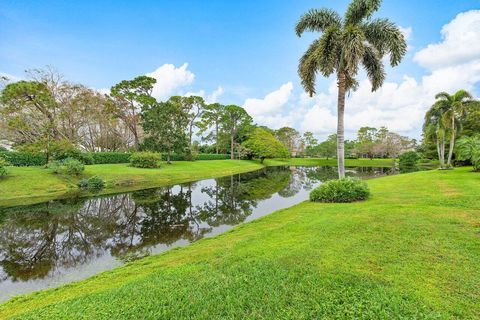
[110, 157]
[24, 159]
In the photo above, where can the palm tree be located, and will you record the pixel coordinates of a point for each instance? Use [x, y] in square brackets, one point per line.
[434, 128]
[454, 107]
[343, 46]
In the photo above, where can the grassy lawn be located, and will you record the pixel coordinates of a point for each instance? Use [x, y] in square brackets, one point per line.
[27, 185]
[411, 251]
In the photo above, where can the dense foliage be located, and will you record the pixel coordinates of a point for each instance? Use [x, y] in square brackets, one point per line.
[262, 144]
[408, 159]
[145, 160]
[468, 148]
[342, 190]
[24, 159]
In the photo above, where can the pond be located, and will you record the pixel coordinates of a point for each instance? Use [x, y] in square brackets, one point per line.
[56, 242]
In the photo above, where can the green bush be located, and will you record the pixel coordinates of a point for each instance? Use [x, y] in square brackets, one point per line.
[110, 157]
[83, 157]
[73, 167]
[24, 159]
[94, 183]
[408, 159]
[68, 166]
[343, 190]
[145, 160]
[3, 164]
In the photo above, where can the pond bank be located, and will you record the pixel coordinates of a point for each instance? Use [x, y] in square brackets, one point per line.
[410, 251]
[28, 185]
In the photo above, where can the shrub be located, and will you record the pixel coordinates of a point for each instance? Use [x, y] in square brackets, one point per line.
[110, 157]
[408, 159]
[24, 159]
[468, 148]
[3, 164]
[145, 160]
[94, 183]
[68, 166]
[73, 167]
[343, 190]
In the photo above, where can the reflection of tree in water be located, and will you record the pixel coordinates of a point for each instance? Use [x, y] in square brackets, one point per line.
[38, 240]
[233, 198]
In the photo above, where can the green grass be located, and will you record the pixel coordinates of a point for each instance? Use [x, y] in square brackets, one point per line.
[411, 252]
[28, 185]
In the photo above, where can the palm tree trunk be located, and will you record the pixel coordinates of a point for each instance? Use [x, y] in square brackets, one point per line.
[442, 153]
[452, 143]
[216, 137]
[439, 152]
[340, 126]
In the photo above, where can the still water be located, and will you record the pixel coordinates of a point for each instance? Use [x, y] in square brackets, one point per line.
[56, 242]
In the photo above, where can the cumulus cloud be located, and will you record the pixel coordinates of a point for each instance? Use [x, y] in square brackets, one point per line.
[272, 102]
[460, 43]
[170, 79]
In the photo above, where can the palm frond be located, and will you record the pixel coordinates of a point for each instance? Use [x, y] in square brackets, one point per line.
[308, 67]
[443, 96]
[387, 38]
[372, 62]
[318, 20]
[353, 49]
[462, 95]
[359, 10]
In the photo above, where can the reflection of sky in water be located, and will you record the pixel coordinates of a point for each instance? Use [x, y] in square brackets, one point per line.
[45, 245]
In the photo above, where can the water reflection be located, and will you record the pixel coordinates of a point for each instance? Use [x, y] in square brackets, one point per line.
[55, 242]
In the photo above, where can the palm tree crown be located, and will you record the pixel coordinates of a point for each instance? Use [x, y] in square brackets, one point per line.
[347, 43]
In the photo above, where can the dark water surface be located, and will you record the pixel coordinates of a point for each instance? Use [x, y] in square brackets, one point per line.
[56, 242]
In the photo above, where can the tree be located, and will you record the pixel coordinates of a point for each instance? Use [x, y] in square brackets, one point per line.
[262, 144]
[234, 120]
[468, 148]
[130, 97]
[211, 118]
[328, 147]
[343, 46]
[310, 143]
[290, 138]
[365, 141]
[164, 124]
[453, 108]
[193, 108]
[434, 129]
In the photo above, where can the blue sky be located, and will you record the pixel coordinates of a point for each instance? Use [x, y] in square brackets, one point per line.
[248, 48]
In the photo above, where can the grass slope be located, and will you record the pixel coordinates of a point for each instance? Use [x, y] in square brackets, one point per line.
[26, 185]
[411, 251]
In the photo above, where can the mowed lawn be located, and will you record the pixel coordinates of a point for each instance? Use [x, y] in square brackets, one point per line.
[27, 185]
[412, 251]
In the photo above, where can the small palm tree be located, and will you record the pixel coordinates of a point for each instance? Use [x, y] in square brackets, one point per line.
[434, 129]
[343, 46]
[468, 148]
[453, 107]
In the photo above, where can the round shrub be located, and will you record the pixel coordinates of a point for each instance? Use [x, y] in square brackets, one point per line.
[73, 167]
[94, 183]
[343, 190]
[145, 160]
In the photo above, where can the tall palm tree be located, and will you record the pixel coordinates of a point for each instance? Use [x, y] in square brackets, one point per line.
[454, 107]
[343, 46]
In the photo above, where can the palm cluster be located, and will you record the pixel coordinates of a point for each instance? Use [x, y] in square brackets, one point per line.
[444, 118]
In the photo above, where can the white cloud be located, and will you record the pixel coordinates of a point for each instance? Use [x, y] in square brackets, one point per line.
[460, 43]
[407, 32]
[209, 98]
[272, 102]
[170, 79]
